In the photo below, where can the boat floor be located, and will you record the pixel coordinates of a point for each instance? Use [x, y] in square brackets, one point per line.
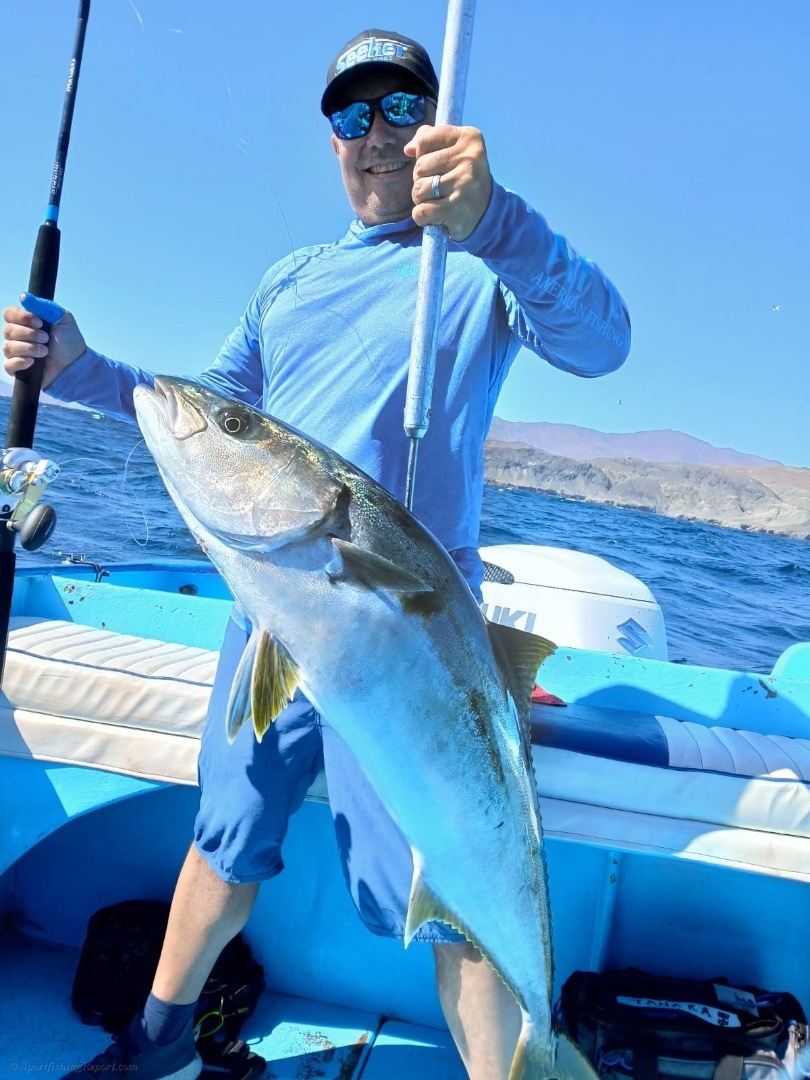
[300, 1039]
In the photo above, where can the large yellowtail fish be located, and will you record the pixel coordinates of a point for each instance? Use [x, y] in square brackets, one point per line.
[355, 602]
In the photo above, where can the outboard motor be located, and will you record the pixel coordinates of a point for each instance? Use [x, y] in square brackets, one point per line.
[577, 600]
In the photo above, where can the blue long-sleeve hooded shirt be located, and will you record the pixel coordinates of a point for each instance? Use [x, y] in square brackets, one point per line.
[325, 340]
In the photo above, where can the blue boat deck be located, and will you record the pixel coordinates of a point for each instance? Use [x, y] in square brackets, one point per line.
[676, 811]
[300, 1039]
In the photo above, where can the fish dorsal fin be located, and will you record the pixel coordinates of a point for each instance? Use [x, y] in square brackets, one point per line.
[519, 655]
[275, 680]
[358, 566]
[424, 906]
[266, 679]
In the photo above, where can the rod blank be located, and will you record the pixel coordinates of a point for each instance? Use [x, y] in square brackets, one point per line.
[422, 363]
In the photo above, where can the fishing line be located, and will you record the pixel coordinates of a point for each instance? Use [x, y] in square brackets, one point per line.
[137, 15]
[241, 144]
[126, 490]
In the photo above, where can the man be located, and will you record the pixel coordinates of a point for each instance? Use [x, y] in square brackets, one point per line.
[324, 345]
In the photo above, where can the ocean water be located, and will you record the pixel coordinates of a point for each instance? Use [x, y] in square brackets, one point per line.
[730, 599]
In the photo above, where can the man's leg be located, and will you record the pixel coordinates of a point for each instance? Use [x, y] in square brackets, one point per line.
[206, 913]
[248, 790]
[483, 1016]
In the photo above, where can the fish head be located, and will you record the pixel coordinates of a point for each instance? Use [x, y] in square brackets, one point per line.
[235, 473]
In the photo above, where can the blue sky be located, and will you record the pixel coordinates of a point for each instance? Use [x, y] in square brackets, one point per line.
[668, 141]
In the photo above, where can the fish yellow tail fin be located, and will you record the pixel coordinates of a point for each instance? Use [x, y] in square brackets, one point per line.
[535, 1060]
[532, 1055]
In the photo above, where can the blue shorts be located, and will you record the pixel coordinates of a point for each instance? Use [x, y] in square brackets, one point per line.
[249, 789]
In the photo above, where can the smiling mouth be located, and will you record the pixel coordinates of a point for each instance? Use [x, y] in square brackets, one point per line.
[386, 170]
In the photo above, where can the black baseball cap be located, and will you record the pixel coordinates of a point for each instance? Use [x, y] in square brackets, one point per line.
[377, 50]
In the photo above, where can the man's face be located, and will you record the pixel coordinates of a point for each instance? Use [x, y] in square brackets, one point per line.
[377, 175]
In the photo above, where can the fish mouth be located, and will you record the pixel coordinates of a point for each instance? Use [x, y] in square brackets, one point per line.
[181, 417]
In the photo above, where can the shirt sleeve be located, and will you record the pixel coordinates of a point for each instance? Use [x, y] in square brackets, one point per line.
[559, 304]
[100, 383]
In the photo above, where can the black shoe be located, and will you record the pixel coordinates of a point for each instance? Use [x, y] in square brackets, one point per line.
[134, 1056]
[234, 1061]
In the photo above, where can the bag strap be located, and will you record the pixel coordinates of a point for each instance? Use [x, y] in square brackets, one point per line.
[729, 1067]
[645, 1060]
[645, 1063]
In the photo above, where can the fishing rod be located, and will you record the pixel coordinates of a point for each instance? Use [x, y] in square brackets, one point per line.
[422, 363]
[35, 523]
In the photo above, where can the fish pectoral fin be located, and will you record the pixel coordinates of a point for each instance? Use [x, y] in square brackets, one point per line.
[292, 524]
[303, 526]
[275, 680]
[425, 906]
[237, 711]
[519, 655]
[266, 679]
[358, 566]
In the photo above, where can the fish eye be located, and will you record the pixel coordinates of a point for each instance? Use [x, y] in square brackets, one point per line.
[232, 422]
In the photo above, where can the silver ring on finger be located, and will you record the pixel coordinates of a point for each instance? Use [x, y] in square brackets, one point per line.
[435, 187]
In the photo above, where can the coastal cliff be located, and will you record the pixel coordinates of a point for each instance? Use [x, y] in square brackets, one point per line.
[754, 494]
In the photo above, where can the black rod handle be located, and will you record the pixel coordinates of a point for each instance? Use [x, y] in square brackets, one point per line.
[22, 416]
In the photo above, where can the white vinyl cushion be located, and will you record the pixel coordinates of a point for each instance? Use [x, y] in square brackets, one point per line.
[730, 750]
[78, 695]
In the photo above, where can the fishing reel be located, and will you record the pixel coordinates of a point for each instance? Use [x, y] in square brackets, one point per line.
[24, 476]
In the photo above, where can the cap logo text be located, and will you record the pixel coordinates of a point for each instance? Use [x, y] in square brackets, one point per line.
[371, 49]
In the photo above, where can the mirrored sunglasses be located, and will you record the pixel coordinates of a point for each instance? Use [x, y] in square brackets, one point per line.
[398, 110]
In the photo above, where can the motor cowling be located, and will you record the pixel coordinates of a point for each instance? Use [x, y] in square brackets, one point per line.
[575, 599]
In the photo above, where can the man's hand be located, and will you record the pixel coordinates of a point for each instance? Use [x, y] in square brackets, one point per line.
[26, 341]
[452, 182]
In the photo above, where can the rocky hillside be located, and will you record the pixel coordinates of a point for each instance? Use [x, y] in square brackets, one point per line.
[585, 444]
[766, 497]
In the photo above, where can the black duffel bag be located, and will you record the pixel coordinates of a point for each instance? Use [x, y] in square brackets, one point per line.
[117, 964]
[630, 1024]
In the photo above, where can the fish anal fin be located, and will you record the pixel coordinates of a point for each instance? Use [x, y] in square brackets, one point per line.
[274, 681]
[519, 655]
[425, 906]
[358, 566]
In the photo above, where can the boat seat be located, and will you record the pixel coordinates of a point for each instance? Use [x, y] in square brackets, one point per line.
[675, 788]
[78, 695]
[675, 744]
